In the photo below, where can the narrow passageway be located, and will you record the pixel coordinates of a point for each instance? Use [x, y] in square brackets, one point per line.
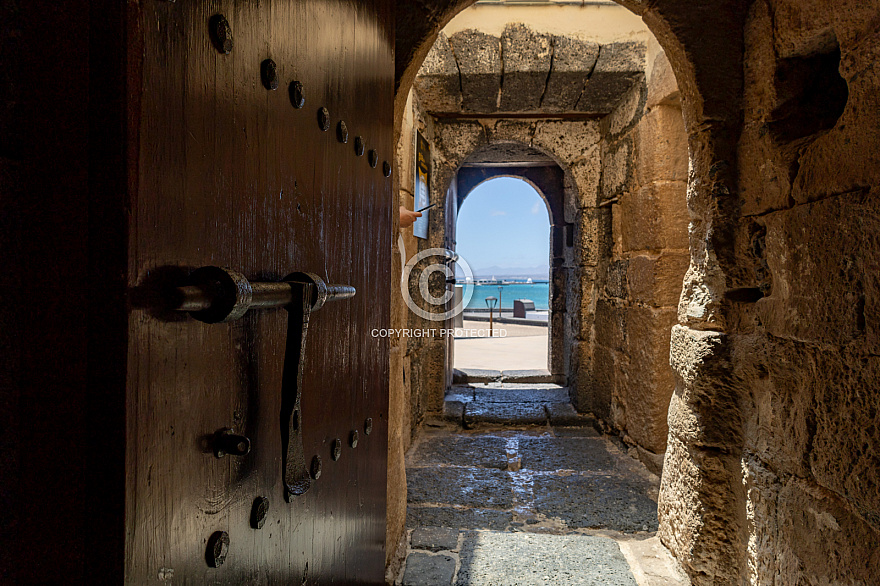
[513, 486]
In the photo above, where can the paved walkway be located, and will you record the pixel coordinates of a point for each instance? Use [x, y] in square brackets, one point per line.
[510, 503]
[523, 348]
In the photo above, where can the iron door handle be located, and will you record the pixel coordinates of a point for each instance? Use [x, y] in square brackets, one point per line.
[217, 295]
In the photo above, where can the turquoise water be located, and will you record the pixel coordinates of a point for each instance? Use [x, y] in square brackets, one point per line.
[537, 292]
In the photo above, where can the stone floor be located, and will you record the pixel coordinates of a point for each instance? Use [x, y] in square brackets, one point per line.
[521, 499]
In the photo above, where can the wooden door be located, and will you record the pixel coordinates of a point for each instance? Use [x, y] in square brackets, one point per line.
[231, 173]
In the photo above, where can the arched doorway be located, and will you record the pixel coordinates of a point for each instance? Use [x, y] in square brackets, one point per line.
[503, 232]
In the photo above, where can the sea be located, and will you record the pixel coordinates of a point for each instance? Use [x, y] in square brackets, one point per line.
[539, 292]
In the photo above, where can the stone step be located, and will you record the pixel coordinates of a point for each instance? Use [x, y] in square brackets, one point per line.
[481, 376]
[513, 404]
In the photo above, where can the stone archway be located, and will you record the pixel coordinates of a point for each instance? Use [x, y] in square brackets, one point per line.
[701, 486]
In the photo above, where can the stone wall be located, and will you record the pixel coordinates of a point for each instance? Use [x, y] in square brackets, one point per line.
[805, 300]
[642, 216]
[771, 467]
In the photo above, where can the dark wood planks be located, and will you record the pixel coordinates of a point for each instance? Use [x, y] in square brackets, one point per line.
[231, 174]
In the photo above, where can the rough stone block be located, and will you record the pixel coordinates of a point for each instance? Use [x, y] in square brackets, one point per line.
[652, 461]
[435, 538]
[585, 175]
[582, 454]
[473, 451]
[606, 365]
[693, 354]
[823, 258]
[573, 60]
[662, 146]
[475, 376]
[592, 502]
[618, 68]
[453, 410]
[697, 512]
[456, 140]
[477, 413]
[568, 141]
[479, 61]
[438, 84]
[463, 518]
[526, 63]
[610, 325]
[764, 180]
[519, 394]
[441, 485]
[519, 131]
[649, 378]
[527, 376]
[846, 157]
[491, 559]
[428, 570]
[564, 414]
[656, 280]
[844, 454]
[627, 112]
[820, 541]
[662, 86]
[655, 217]
[590, 235]
[616, 275]
[617, 169]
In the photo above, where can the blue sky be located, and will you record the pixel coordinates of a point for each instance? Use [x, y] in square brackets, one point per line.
[504, 223]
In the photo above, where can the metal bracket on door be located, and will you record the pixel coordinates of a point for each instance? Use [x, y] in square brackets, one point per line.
[216, 295]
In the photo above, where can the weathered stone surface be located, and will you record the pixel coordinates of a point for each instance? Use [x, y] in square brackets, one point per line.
[458, 517]
[438, 84]
[483, 487]
[845, 157]
[489, 559]
[456, 140]
[704, 286]
[618, 68]
[627, 111]
[527, 376]
[596, 502]
[697, 512]
[475, 376]
[567, 453]
[428, 570]
[820, 541]
[453, 410]
[656, 217]
[662, 87]
[479, 60]
[827, 238]
[435, 538]
[504, 413]
[649, 378]
[661, 146]
[610, 325]
[507, 393]
[602, 380]
[617, 169]
[460, 450]
[568, 141]
[564, 414]
[652, 461]
[526, 62]
[586, 175]
[656, 280]
[590, 229]
[518, 131]
[573, 61]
